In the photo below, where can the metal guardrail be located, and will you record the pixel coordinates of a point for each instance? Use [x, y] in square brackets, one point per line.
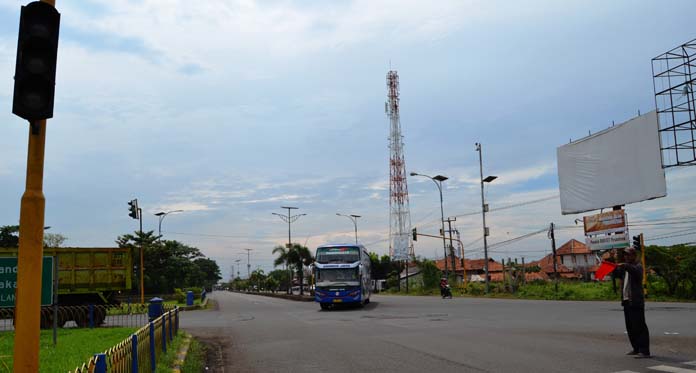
[140, 351]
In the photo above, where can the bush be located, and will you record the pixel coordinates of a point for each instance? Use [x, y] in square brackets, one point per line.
[475, 288]
[179, 296]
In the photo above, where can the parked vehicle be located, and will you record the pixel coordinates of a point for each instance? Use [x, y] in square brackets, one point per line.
[86, 276]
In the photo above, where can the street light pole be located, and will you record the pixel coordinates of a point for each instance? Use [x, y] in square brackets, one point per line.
[354, 219]
[438, 179]
[289, 219]
[248, 263]
[484, 208]
[161, 216]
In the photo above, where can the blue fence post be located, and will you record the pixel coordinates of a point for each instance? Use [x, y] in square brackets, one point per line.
[134, 353]
[164, 333]
[91, 316]
[153, 356]
[100, 366]
[176, 320]
[171, 336]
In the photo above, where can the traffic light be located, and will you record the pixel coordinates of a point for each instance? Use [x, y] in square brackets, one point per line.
[415, 234]
[133, 208]
[636, 243]
[35, 69]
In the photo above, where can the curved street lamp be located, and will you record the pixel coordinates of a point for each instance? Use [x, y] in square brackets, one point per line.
[161, 215]
[438, 179]
[354, 219]
[484, 209]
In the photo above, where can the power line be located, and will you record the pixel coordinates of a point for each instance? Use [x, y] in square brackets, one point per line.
[504, 207]
[674, 235]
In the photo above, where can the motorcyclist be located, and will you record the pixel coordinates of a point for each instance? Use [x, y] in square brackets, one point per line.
[444, 287]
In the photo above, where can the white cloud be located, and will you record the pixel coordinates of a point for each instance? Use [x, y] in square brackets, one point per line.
[186, 206]
[513, 176]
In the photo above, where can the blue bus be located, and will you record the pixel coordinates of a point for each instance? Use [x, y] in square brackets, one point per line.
[342, 275]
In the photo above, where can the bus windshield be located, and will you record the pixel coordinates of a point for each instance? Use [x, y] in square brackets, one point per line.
[348, 254]
[328, 277]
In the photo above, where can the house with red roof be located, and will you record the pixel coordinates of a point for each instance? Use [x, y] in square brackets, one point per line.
[574, 260]
[473, 269]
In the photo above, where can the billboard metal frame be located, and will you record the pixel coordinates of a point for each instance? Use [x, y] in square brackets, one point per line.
[674, 81]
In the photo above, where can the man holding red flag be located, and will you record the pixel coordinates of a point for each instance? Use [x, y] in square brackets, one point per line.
[633, 303]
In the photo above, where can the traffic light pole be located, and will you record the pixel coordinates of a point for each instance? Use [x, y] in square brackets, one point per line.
[27, 311]
[142, 281]
[29, 263]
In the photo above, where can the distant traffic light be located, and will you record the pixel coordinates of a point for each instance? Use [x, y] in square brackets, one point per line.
[133, 208]
[415, 234]
[636, 243]
[35, 69]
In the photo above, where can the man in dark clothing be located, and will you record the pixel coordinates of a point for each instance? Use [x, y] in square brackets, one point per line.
[633, 304]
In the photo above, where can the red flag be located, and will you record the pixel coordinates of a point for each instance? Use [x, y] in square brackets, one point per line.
[604, 269]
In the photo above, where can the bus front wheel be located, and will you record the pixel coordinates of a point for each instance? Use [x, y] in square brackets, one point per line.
[324, 306]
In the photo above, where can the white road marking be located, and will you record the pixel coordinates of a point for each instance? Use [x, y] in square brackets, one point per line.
[626, 371]
[690, 363]
[667, 368]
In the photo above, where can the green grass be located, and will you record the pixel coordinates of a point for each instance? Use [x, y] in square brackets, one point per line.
[75, 347]
[567, 290]
[195, 358]
[196, 301]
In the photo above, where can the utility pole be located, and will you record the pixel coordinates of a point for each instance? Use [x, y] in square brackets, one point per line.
[451, 247]
[248, 264]
[484, 209]
[524, 272]
[553, 247]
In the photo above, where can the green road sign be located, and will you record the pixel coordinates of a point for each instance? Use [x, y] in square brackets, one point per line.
[8, 281]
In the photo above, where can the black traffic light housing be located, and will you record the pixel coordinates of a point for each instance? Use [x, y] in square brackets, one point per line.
[636, 243]
[35, 69]
[133, 208]
[415, 234]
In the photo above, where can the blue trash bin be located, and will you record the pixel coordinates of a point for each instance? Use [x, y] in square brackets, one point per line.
[189, 298]
[155, 309]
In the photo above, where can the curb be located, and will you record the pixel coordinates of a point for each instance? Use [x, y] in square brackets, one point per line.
[202, 305]
[181, 354]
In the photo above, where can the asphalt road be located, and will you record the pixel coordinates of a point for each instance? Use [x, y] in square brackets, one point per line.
[249, 333]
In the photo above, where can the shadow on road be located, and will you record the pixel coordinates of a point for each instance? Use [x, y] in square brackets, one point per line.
[351, 307]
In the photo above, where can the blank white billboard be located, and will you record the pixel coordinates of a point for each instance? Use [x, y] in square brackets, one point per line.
[617, 166]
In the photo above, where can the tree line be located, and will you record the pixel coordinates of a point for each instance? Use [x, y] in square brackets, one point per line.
[169, 264]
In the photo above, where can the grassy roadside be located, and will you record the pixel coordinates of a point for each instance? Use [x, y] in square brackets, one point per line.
[74, 347]
[574, 291]
[195, 358]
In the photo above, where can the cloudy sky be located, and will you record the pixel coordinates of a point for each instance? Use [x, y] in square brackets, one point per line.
[230, 109]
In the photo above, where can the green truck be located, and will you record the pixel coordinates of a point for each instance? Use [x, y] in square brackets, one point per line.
[86, 276]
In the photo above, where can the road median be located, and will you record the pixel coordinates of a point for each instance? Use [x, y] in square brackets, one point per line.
[298, 298]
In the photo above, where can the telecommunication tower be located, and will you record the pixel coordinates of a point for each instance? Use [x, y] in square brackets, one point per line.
[400, 245]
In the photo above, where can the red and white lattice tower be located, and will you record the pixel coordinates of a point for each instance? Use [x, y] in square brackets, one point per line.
[400, 245]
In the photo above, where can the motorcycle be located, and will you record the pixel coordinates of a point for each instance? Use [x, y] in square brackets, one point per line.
[446, 292]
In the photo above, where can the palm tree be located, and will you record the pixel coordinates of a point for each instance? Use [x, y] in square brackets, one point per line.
[282, 258]
[299, 256]
[296, 257]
